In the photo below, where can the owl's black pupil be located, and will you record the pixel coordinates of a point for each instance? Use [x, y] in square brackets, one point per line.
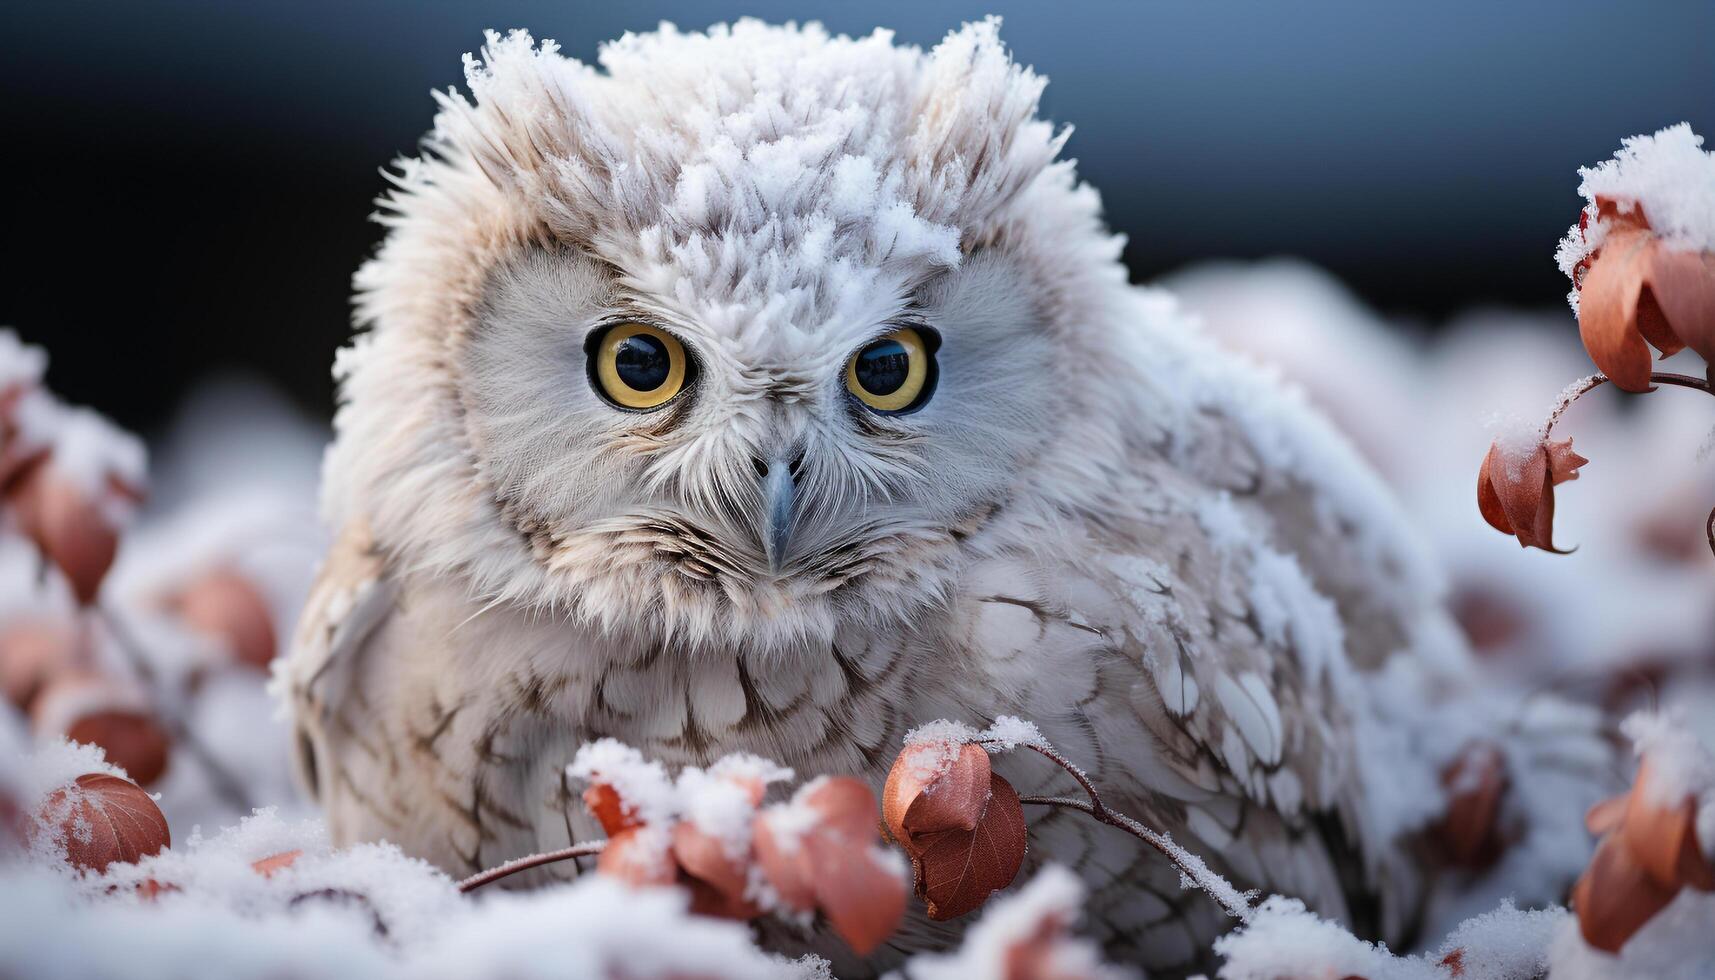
[882, 367]
[642, 362]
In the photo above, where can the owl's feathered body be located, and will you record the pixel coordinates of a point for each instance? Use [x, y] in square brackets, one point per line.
[1099, 522]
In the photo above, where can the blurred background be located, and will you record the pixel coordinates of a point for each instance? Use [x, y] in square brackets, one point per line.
[188, 184]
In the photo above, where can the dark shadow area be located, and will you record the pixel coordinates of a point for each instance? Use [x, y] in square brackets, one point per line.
[187, 185]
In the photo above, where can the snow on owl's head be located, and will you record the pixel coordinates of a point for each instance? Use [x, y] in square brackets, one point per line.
[738, 336]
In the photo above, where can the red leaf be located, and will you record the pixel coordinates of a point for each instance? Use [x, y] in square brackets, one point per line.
[609, 810]
[785, 863]
[105, 819]
[1663, 839]
[131, 740]
[1469, 833]
[1606, 815]
[67, 526]
[639, 856]
[1455, 961]
[1615, 896]
[275, 862]
[1516, 492]
[226, 605]
[30, 654]
[706, 860]
[957, 870]
[1637, 289]
[1608, 310]
[926, 793]
[862, 897]
[844, 806]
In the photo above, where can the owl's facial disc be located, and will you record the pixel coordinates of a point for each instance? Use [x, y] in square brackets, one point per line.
[702, 466]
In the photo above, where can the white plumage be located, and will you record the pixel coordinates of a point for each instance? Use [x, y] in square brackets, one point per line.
[1097, 521]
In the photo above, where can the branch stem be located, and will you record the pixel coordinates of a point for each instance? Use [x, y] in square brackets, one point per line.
[1594, 381]
[1235, 903]
[529, 861]
[225, 785]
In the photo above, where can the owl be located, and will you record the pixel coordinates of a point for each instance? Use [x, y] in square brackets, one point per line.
[765, 390]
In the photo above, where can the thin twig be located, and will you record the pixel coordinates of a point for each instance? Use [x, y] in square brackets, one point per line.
[1594, 381]
[1234, 902]
[529, 861]
[225, 785]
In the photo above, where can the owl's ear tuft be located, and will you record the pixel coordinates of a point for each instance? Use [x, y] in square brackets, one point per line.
[977, 141]
[530, 126]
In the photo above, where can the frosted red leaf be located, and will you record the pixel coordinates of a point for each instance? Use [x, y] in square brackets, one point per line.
[844, 806]
[862, 897]
[224, 604]
[1637, 289]
[266, 867]
[610, 811]
[104, 819]
[638, 856]
[1663, 838]
[67, 525]
[1455, 962]
[1515, 492]
[131, 740]
[957, 870]
[1649, 851]
[935, 786]
[718, 879]
[820, 852]
[1469, 832]
[785, 862]
[97, 709]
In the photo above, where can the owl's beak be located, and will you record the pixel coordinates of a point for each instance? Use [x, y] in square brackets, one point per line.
[779, 486]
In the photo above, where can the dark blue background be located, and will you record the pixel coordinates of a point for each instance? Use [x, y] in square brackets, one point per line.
[187, 183]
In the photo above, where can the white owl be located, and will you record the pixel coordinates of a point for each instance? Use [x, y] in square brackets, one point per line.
[771, 391]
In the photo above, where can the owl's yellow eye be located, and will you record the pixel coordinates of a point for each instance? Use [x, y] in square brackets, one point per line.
[637, 366]
[895, 374]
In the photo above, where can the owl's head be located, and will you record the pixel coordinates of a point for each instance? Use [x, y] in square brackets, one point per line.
[736, 337]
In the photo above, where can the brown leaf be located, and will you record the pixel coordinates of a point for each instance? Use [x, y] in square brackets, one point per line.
[1663, 839]
[639, 856]
[1606, 815]
[66, 525]
[609, 810]
[97, 709]
[784, 862]
[31, 653]
[104, 819]
[711, 865]
[1637, 289]
[1516, 492]
[1682, 284]
[1608, 310]
[863, 898]
[266, 867]
[1469, 833]
[844, 806]
[1615, 896]
[226, 605]
[131, 740]
[957, 870]
[925, 793]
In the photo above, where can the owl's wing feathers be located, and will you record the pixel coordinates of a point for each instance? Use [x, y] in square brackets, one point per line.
[351, 598]
[1214, 640]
